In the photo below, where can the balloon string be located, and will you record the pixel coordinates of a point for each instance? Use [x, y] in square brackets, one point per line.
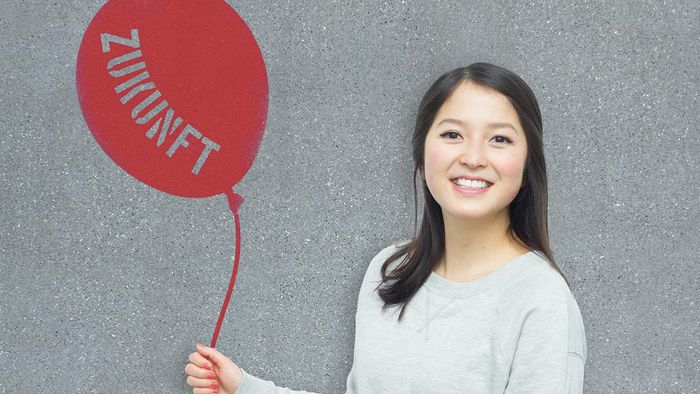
[234, 202]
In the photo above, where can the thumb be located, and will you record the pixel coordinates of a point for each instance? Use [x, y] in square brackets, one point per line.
[212, 354]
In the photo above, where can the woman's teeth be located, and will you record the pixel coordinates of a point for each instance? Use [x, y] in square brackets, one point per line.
[470, 183]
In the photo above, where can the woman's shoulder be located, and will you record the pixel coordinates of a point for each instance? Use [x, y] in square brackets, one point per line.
[380, 257]
[373, 276]
[536, 278]
[537, 286]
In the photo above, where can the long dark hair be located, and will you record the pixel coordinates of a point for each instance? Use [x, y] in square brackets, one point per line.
[527, 211]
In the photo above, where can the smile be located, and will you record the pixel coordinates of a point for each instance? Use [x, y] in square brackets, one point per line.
[472, 184]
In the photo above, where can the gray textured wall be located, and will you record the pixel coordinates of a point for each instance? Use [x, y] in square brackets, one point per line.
[107, 283]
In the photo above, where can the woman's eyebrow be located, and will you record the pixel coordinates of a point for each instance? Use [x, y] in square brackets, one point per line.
[494, 125]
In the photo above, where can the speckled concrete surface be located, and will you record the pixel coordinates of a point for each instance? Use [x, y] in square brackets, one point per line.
[107, 283]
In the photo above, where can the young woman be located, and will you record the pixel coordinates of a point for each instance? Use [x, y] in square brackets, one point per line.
[474, 302]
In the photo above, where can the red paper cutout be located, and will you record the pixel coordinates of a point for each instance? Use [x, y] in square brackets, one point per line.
[176, 93]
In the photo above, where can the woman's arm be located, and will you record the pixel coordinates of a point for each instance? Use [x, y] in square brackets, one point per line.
[254, 385]
[210, 371]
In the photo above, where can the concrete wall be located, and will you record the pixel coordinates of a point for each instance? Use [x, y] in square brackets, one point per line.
[107, 283]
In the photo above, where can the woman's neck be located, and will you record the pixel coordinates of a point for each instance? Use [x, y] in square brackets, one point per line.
[476, 248]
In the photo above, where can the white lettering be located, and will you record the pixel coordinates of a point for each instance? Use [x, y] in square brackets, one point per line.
[181, 139]
[209, 145]
[106, 39]
[140, 83]
[164, 130]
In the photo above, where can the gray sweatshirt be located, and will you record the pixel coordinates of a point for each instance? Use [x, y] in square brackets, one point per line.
[515, 330]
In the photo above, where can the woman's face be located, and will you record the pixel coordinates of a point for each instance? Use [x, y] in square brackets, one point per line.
[476, 135]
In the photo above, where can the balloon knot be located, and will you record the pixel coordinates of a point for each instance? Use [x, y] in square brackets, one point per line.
[234, 200]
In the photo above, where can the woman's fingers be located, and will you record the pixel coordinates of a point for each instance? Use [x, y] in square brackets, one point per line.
[202, 379]
[199, 360]
[202, 383]
[197, 372]
[206, 359]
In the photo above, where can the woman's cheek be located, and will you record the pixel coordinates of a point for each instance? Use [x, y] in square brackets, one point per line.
[433, 164]
[433, 157]
[512, 168]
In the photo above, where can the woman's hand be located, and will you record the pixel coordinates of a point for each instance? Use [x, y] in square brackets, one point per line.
[211, 372]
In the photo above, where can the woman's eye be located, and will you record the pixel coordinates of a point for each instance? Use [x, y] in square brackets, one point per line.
[452, 134]
[500, 138]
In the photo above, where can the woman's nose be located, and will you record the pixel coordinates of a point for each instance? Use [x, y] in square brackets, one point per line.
[473, 157]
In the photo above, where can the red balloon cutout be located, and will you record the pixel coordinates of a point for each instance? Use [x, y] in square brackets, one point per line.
[176, 93]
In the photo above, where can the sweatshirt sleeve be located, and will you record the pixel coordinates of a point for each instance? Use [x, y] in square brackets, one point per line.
[253, 385]
[548, 356]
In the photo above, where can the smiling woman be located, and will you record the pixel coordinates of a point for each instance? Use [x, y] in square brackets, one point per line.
[490, 311]
[474, 150]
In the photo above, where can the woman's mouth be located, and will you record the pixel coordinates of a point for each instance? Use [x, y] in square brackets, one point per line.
[471, 184]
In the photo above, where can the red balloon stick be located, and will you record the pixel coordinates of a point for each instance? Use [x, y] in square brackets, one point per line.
[234, 202]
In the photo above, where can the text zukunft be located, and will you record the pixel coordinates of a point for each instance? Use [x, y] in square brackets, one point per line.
[161, 115]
